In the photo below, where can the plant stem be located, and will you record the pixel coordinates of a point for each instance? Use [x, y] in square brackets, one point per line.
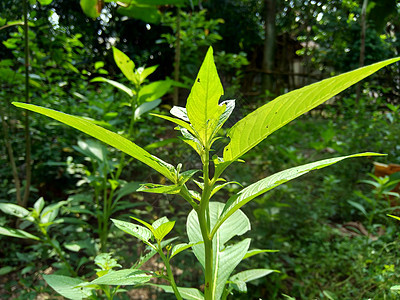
[11, 157]
[49, 241]
[204, 221]
[27, 100]
[169, 272]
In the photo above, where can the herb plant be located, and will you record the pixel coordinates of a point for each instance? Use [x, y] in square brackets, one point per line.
[107, 185]
[210, 225]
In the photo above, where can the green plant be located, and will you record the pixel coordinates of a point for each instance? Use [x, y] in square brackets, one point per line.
[212, 225]
[43, 217]
[107, 283]
[381, 200]
[143, 97]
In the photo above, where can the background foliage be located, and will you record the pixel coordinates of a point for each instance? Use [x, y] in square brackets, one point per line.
[305, 220]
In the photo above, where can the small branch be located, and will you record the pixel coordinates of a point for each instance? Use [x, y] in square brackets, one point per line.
[10, 152]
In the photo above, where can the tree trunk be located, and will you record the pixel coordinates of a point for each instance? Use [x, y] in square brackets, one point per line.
[28, 173]
[177, 58]
[269, 43]
[362, 46]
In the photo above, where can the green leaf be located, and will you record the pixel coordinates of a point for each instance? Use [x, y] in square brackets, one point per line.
[250, 275]
[107, 137]
[146, 13]
[225, 258]
[140, 232]
[145, 107]
[5, 270]
[160, 188]
[91, 8]
[178, 122]
[395, 217]
[186, 293]
[14, 210]
[220, 186]
[358, 206]
[180, 112]
[154, 90]
[253, 252]
[68, 286]
[50, 212]
[163, 230]
[266, 184]
[125, 190]
[229, 107]
[226, 262]
[116, 84]
[144, 72]
[125, 64]
[39, 204]
[395, 288]
[202, 104]
[256, 126]
[18, 233]
[123, 277]
[181, 247]
[329, 295]
[237, 224]
[150, 227]
[45, 2]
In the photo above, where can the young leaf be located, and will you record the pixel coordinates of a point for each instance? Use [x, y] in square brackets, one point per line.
[144, 72]
[253, 252]
[186, 293]
[145, 224]
[157, 223]
[68, 286]
[154, 90]
[123, 277]
[163, 230]
[140, 232]
[116, 84]
[50, 212]
[159, 188]
[256, 126]
[125, 64]
[181, 247]
[358, 206]
[266, 184]
[39, 204]
[202, 104]
[18, 233]
[107, 137]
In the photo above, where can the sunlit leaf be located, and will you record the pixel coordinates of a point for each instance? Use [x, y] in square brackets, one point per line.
[266, 184]
[256, 126]
[202, 104]
[107, 137]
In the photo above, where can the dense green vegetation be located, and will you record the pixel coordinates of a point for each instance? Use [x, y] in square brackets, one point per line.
[118, 65]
